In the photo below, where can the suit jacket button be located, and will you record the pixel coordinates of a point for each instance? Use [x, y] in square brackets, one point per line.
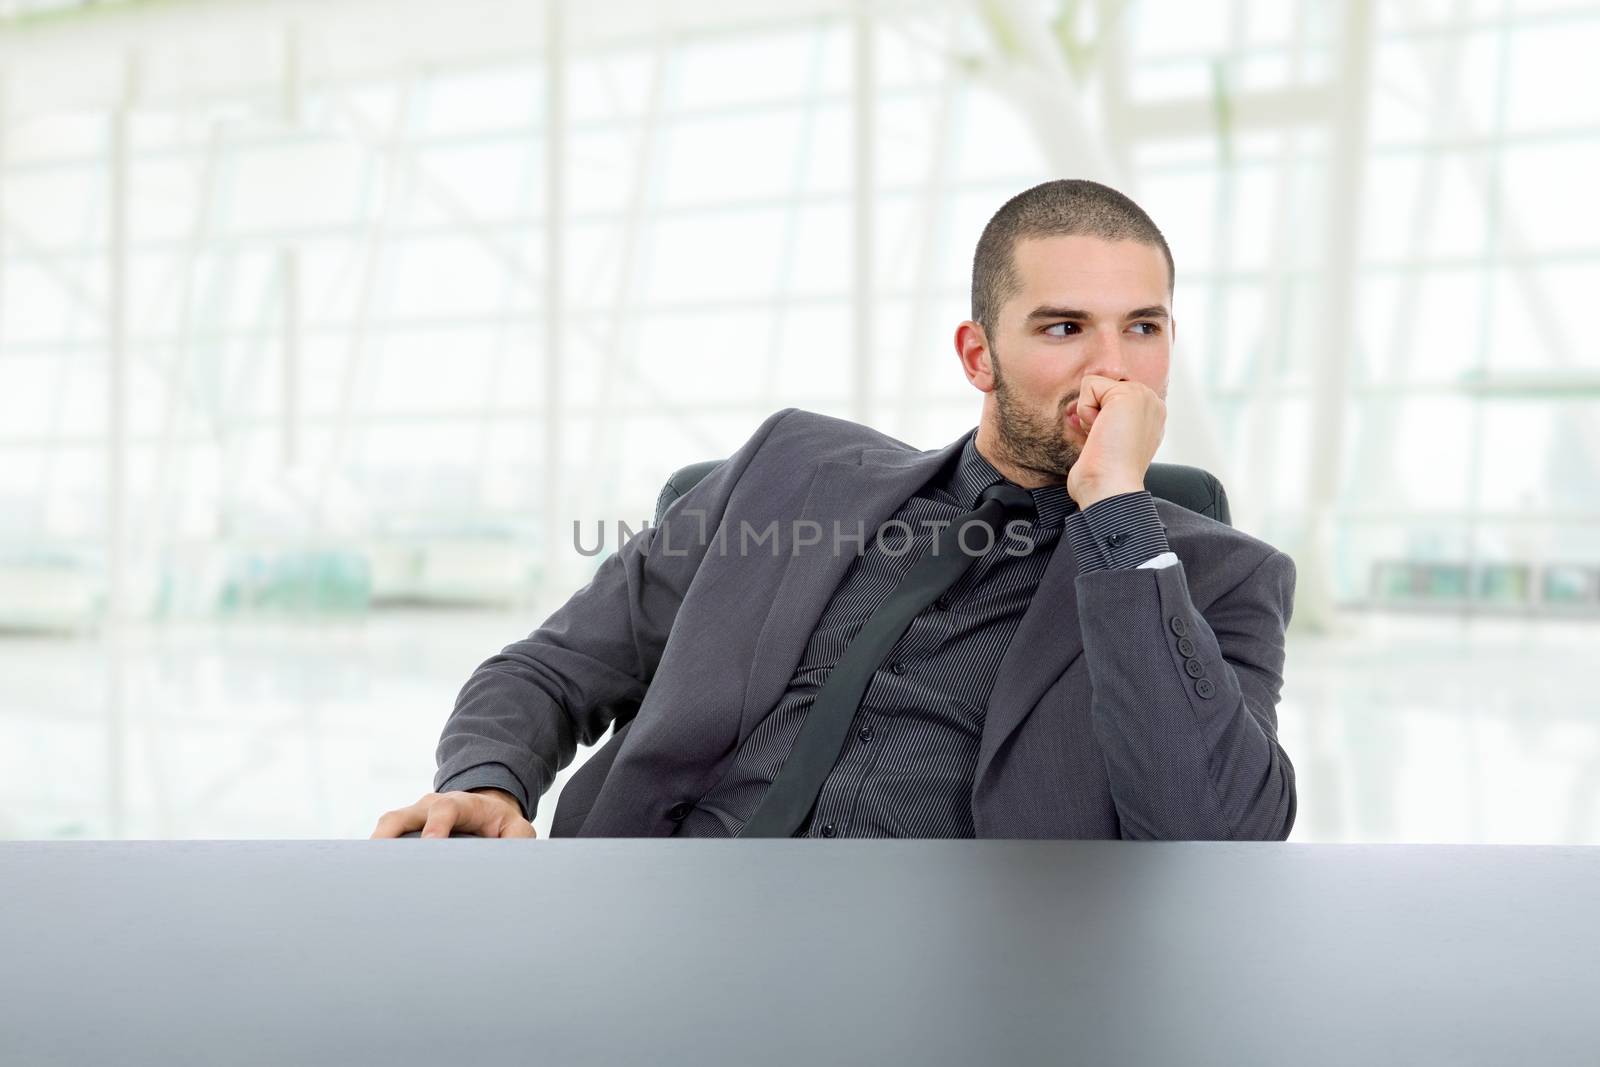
[1185, 647]
[1178, 627]
[1205, 688]
[679, 811]
[1194, 668]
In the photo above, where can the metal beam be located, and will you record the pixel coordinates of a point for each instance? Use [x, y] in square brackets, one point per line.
[1336, 332]
[397, 181]
[555, 207]
[793, 207]
[116, 613]
[289, 275]
[1265, 417]
[864, 112]
[1268, 110]
[604, 447]
[933, 234]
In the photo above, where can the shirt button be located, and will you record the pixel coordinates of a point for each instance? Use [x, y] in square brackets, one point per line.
[865, 733]
[829, 830]
[679, 810]
[897, 667]
[1116, 539]
[943, 603]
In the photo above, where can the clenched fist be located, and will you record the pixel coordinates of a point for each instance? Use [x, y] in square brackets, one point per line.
[1123, 422]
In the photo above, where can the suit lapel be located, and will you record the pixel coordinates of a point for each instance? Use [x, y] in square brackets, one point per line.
[1046, 642]
[868, 492]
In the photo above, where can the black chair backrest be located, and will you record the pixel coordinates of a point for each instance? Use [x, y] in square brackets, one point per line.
[1190, 487]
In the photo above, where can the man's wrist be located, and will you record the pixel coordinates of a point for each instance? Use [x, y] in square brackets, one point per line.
[1089, 495]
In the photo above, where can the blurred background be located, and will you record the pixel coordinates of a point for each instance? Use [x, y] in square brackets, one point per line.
[321, 322]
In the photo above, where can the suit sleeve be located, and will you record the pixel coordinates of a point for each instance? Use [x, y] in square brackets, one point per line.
[1185, 702]
[522, 713]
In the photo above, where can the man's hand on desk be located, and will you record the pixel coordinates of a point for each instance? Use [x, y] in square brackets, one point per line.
[485, 812]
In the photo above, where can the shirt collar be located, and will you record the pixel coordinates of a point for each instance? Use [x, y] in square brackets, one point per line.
[973, 474]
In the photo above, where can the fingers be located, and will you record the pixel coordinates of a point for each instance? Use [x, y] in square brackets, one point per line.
[444, 814]
[441, 814]
[1091, 395]
[1094, 389]
[1087, 413]
[400, 821]
[418, 816]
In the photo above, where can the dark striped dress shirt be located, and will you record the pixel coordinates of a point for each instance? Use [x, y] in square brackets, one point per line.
[908, 765]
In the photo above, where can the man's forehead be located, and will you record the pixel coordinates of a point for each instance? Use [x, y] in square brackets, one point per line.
[1090, 272]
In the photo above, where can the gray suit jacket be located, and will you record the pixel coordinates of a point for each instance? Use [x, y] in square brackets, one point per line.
[1099, 726]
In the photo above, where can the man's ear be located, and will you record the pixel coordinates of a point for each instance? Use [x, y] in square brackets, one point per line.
[972, 347]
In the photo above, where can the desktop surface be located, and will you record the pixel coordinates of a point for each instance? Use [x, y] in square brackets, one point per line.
[787, 952]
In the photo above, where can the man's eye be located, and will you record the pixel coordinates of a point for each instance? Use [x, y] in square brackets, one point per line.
[1063, 327]
[1151, 328]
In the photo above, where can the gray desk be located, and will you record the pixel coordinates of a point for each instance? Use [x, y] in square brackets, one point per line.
[706, 952]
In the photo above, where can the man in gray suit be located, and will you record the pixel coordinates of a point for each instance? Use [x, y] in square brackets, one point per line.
[1110, 670]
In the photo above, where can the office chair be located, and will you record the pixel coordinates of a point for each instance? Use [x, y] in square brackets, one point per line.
[1188, 487]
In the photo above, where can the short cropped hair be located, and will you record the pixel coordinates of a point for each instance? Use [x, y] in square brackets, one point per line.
[1065, 208]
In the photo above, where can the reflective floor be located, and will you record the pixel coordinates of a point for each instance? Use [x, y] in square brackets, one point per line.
[1401, 729]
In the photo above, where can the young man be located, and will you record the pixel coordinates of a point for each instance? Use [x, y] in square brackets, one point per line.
[1110, 669]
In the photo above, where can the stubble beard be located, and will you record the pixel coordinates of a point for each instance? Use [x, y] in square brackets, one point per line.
[1028, 439]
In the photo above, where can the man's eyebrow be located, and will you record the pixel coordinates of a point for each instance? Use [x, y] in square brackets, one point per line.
[1154, 311]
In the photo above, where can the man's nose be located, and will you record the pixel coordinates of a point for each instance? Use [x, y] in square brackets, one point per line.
[1105, 358]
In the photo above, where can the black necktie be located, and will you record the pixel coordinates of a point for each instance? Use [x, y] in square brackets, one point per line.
[789, 800]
